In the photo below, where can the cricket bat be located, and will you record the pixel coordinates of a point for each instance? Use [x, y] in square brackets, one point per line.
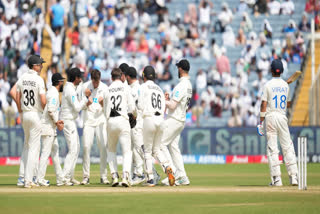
[294, 77]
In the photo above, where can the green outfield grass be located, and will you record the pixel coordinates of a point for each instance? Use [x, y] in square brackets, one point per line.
[214, 189]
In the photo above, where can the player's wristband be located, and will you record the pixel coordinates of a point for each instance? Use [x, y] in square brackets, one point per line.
[262, 114]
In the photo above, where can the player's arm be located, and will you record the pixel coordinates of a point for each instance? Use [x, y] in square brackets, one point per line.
[131, 105]
[13, 92]
[263, 109]
[177, 96]
[42, 93]
[75, 104]
[18, 101]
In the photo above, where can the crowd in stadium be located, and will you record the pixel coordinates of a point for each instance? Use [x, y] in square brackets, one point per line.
[106, 33]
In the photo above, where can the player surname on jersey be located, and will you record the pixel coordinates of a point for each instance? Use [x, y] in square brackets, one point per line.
[280, 89]
[116, 89]
[154, 87]
[29, 83]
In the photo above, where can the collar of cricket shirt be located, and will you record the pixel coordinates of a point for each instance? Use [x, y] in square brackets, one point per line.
[71, 83]
[184, 78]
[31, 71]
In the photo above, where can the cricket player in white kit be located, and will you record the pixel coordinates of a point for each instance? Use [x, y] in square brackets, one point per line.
[118, 103]
[174, 124]
[50, 122]
[136, 132]
[70, 108]
[95, 124]
[152, 103]
[273, 111]
[31, 100]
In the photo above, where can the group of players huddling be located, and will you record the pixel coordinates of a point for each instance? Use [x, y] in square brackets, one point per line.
[124, 112]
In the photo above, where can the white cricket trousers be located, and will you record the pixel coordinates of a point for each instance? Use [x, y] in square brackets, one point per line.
[88, 136]
[72, 137]
[119, 130]
[277, 125]
[152, 135]
[49, 146]
[137, 151]
[32, 134]
[170, 145]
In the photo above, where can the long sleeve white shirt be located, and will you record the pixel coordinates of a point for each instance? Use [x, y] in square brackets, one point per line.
[70, 105]
[93, 114]
[50, 114]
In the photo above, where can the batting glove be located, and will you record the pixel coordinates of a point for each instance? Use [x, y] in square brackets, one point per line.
[260, 129]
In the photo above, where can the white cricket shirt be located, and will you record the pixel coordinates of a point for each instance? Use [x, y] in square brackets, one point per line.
[151, 99]
[51, 112]
[93, 114]
[70, 105]
[31, 85]
[182, 94]
[276, 93]
[120, 99]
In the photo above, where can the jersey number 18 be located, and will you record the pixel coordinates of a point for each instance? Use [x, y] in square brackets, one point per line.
[283, 99]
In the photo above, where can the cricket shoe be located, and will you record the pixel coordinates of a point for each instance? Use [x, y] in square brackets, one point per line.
[60, 183]
[75, 182]
[293, 180]
[165, 181]
[115, 179]
[85, 181]
[67, 182]
[44, 183]
[276, 181]
[137, 179]
[125, 180]
[20, 182]
[170, 175]
[182, 181]
[104, 181]
[30, 185]
[151, 183]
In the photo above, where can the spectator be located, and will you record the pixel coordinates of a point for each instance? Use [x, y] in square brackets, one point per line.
[228, 37]
[10, 8]
[205, 13]
[287, 7]
[235, 119]
[191, 16]
[312, 6]
[56, 40]
[26, 16]
[201, 81]
[251, 119]
[246, 23]
[216, 106]
[241, 38]
[267, 29]
[291, 28]
[224, 18]
[263, 48]
[274, 7]
[120, 23]
[242, 7]
[261, 6]
[263, 64]
[75, 39]
[57, 15]
[304, 24]
[143, 45]
[215, 48]
[130, 45]
[223, 64]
